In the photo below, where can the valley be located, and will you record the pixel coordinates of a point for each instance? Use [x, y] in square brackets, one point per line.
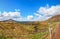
[11, 29]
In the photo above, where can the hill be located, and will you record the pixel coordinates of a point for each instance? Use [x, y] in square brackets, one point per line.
[55, 18]
[11, 29]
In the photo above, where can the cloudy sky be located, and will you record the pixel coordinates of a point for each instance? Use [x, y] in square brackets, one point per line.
[28, 10]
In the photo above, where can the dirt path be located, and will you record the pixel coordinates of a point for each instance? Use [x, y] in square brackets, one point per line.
[57, 32]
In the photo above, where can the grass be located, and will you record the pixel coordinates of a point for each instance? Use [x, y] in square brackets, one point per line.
[36, 35]
[2, 37]
[22, 31]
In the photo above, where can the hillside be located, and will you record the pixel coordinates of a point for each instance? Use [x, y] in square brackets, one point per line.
[10, 29]
[54, 23]
[55, 18]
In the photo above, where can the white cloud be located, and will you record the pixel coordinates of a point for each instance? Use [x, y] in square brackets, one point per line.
[53, 10]
[46, 12]
[30, 17]
[18, 19]
[43, 13]
[9, 15]
[36, 14]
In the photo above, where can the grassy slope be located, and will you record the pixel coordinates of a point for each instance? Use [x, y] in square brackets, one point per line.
[23, 31]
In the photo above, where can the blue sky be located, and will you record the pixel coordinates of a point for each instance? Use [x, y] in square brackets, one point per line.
[27, 8]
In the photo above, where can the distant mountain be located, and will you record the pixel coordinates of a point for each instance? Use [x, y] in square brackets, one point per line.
[9, 21]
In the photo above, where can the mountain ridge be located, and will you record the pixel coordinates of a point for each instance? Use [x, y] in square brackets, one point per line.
[54, 18]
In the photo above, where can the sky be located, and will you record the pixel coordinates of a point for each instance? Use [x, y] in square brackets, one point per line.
[28, 10]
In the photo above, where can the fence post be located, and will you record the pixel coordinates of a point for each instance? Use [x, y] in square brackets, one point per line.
[51, 32]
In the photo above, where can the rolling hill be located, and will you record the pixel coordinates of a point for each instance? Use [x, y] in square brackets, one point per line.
[10, 29]
[55, 18]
